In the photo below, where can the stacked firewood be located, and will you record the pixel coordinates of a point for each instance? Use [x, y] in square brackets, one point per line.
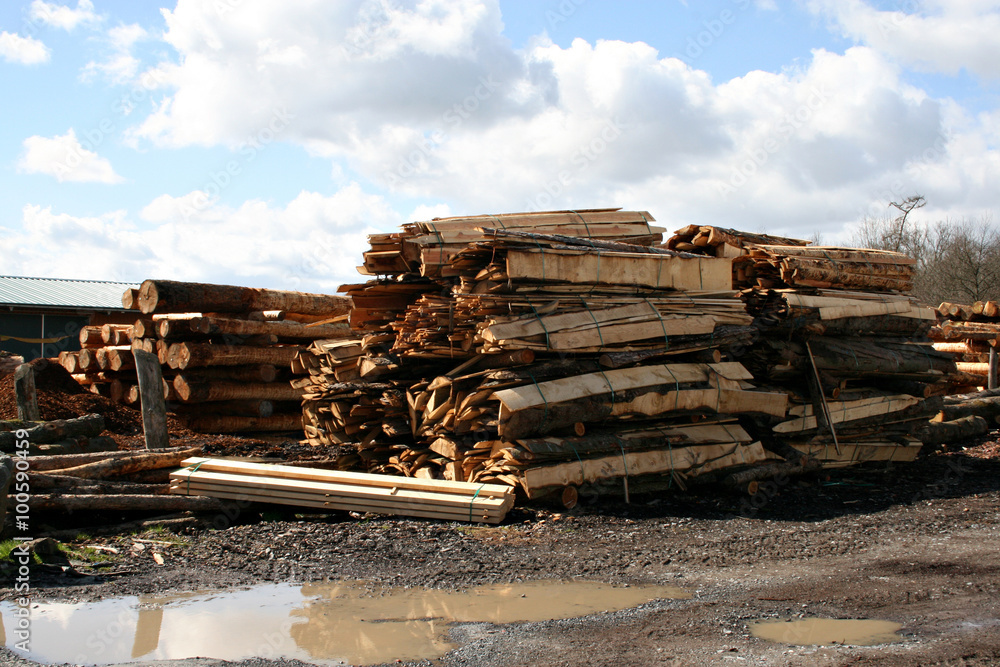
[841, 339]
[547, 351]
[226, 351]
[969, 332]
[104, 364]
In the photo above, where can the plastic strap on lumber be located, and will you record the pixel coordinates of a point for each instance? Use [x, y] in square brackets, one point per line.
[193, 470]
[625, 465]
[541, 322]
[663, 325]
[586, 226]
[474, 499]
[583, 470]
[593, 317]
[611, 387]
[440, 245]
[649, 232]
[598, 279]
[677, 387]
[545, 414]
[503, 226]
[542, 251]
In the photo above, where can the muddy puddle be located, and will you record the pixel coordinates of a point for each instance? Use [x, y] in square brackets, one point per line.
[826, 631]
[324, 622]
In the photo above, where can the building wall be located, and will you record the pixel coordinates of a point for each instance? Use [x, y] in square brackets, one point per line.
[60, 328]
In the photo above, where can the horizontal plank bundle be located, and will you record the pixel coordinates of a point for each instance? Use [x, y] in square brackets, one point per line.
[335, 490]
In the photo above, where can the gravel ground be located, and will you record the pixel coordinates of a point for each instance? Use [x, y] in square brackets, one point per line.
[913, 543]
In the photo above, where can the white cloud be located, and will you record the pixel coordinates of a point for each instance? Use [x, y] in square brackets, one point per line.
[312, 244]
[120, 66]
[61, 16]
[939, 35]
[428, 99]
[22, 50]
[65, 158]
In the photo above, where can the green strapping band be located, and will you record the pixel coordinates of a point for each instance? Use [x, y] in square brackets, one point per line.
[643, 216]
[612, 392]
[474, 500]
[503, 226]
[545, 414]
[593, 317]
[193, 469]
[583, 471]
[663, 325]
[541, 322]
[586, 226]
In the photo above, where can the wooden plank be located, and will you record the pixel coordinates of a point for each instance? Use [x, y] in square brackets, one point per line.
[618, 380]
[647, 270]
[575, 473]
[848, 411]
[342, 477]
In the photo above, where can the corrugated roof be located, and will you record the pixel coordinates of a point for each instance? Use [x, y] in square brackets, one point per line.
[60, 293]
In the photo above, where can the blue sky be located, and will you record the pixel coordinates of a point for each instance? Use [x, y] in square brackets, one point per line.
[239, 141]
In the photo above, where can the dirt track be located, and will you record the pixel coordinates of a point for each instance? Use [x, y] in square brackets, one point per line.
[916, 543]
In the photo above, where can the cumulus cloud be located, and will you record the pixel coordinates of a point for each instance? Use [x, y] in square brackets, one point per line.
[65, 158]
[61, 16]
[428, 99]
[934, 35]
[22, 50]
[313, 243]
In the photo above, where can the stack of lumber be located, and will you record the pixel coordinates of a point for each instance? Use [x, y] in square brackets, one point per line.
[969, 332]
[226, 351]
[546, 351]
[337, 490]
[104, 364]
[841, 341]
[111, 481]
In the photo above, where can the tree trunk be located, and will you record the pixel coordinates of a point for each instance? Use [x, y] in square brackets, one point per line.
[54, 431]
[233, 424]
[987, 407]
[123, 465]
[158, 296]
[124, 503]
[197, 392]
[937, 433]
[190, 355]
[154, 412]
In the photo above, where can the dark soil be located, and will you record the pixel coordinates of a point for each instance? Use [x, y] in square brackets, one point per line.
[914, 543]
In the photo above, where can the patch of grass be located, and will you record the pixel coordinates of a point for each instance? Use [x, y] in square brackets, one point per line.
[7, 548]
[87, 554]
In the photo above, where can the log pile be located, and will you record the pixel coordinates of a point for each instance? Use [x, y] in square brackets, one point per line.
[60, 436]
[970, 332]
[545, 351]
[840, 338]
[226, 351]
[104, 364]
[110, 481]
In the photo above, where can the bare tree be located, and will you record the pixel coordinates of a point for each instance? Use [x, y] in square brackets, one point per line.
[898, 234]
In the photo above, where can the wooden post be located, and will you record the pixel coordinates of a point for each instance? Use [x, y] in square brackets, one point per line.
[154, 410]
[991, 378]
[24, 393]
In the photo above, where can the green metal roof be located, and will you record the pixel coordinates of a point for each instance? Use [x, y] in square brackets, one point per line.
[60, 293]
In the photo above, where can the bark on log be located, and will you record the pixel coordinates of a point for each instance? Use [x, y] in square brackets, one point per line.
[938, 433]
[124, 503]
[80, 445]
[130, 298]
[282, 329]
[987, 407]
[6, 475]
[197, 392]
[245, 408]
[191, 355]
[157, 296]
[56, 462]
[253, 373]
[154, 412]
[54, 431]
[227, 424]
[25, 394]
[124, 465]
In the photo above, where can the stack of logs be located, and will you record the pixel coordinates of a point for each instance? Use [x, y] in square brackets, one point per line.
[547, 351]
[842, 340]
[104, 364]
[971, 333]
[226, 351]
